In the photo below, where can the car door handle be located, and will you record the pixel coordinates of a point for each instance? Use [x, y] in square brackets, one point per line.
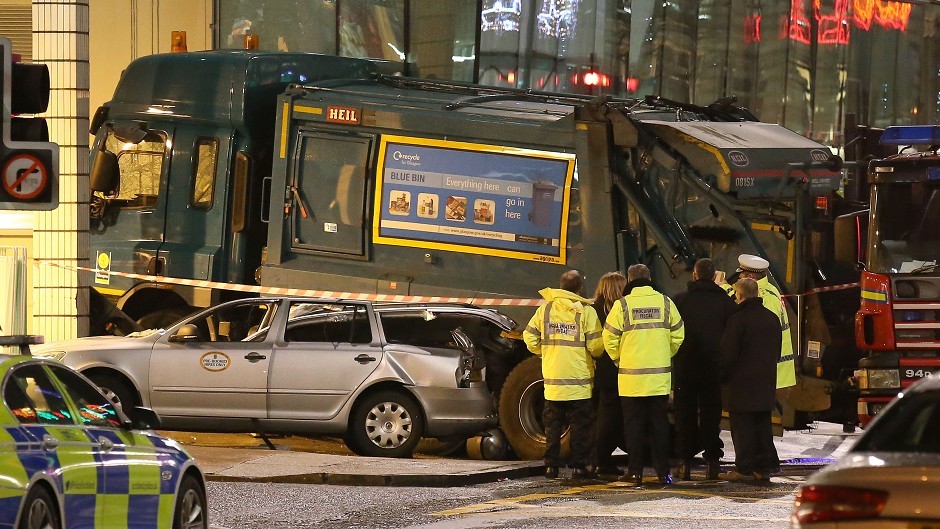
[49, 442]
[254, 357]
[365, 359]
[105, 444]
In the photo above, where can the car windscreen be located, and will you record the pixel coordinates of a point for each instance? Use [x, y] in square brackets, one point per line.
[912, 424]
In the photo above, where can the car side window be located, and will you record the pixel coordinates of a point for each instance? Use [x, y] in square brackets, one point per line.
[425, 329]
[94, 408]
[328, 322]
[34, 399]
[248, 322]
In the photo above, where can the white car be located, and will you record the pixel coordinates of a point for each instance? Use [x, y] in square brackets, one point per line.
[891, 476]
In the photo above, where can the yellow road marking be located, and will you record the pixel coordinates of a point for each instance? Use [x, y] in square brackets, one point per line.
[518, 502]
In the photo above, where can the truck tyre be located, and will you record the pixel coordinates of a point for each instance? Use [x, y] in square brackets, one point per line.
[190, 511]
[39, 510]
[117, 390]
[385, 424]
[163, 318]
[520, 411]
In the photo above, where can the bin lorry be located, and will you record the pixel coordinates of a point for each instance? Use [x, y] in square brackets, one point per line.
[315, 172]
[897, 324]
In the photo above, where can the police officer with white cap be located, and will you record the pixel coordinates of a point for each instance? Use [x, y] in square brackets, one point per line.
[755, 267]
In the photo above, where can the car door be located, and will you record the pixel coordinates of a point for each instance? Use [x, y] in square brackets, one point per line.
[327, 350]
[133, 493]
[62, 448]
[217, 369]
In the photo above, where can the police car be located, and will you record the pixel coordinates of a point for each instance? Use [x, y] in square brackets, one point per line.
[69, 459]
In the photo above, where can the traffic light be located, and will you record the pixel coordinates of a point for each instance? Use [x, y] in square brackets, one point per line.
[29, 162]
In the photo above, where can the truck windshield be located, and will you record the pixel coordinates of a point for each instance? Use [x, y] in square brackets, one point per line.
[140, 165]
[905, 230]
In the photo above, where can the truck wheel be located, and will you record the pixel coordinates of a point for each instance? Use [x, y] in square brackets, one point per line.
[163, 318]
[117, 390]
[39, 510]
[385, 424]
[520, 411]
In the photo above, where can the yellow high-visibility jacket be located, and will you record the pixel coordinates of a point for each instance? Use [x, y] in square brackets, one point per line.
[642, 333]
[770, 297]
[566, 333]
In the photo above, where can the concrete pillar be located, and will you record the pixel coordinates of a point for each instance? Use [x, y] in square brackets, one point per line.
[60, 296]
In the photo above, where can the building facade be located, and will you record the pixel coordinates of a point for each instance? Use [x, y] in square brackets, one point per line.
[805, 64]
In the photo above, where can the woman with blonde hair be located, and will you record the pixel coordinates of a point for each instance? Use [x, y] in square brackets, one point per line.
[609, 431]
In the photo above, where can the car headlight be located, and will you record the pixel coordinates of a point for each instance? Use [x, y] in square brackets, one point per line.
[879, 379]
[56, 356]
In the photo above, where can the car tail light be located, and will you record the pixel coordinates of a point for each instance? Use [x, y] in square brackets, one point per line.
[824, 503]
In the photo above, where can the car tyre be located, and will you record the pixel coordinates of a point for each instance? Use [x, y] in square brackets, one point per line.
[385, 424]
[520, 411]
[118, 391]
[39, 511]
[190, 511]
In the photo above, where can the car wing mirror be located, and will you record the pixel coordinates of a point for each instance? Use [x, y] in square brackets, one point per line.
[186, 333]
[144, 419]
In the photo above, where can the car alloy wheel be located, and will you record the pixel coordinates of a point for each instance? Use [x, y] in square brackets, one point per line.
[190, 506]
[40, 511]
[389, 425]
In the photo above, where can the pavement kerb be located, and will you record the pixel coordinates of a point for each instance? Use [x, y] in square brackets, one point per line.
[388, 480]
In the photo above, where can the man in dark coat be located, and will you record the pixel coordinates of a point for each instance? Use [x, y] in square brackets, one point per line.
[705, 309]
[750, 348]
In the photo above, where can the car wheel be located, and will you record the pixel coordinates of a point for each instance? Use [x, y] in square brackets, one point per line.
[161, 319]
[385, 424]
[190, 511]
[520, 410]
[117, 391]
[39, 511]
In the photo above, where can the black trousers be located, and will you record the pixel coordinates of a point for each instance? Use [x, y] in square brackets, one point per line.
[609, 426]
[646, 418]
[698, 418]
[753, 437]
[579, 416]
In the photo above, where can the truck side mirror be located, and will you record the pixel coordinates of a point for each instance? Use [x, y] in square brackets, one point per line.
[104, 173]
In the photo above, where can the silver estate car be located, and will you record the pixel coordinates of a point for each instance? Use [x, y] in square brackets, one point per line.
[382, 376]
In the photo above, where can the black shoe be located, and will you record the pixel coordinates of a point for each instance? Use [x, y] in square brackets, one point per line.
[608, 471]
[665, 479]
[551, 472]
[684, 471]
[712, 469]
[635, 479]
[582, 473]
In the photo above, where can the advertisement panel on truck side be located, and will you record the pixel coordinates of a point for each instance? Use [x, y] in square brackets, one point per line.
[473, 198]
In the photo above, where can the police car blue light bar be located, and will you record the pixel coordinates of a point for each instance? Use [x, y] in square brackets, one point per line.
[911, 135]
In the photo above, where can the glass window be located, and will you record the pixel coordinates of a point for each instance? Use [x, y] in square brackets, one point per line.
[241, 322]
[912, 424]
[442, 39]
[207, 152]
[425, 328]
[372, 28]
[34, 399]
[328, 322]
[141, 166]
[282, 25]
[94, 408]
